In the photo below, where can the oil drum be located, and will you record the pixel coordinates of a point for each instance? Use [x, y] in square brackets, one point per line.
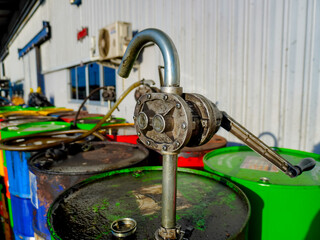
[282, 207]
[126, 134]
[17, 120]
[49, 178]
[207, 205]
[90, 122]
[61, 114]
[6, 111]
[16, 169]
[10, 108]
[3, 168]
[123, 138]
[3, 110]
[6, 230]
[44, 111]
[1, 214]
[70, 116]
[20, 112]
[50, 111]
[192, 157]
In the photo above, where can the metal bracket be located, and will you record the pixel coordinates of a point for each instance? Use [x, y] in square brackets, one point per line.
[40, 38]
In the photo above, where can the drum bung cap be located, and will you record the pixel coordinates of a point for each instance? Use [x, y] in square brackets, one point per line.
[123, 227]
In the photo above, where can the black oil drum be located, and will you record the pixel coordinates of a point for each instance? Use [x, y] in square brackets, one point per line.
[48, 177]
[207, 205]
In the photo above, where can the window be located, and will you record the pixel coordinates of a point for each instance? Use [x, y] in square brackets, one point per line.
[84, 79]
[73, 83]
[81, 81]
[109, 76]
[94, 80]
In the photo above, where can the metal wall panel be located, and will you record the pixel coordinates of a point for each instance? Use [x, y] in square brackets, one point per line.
[258, 60]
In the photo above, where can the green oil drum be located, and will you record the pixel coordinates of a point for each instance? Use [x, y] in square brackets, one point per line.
[20, 108]
[48, 108]
[6, 109]
[282, 207]
[20, 112]
[25, 108]
[26, 111]
[10, 108]
[89, 122]
[210, 205]
[32, 128]
[40, 108]
[17, 120]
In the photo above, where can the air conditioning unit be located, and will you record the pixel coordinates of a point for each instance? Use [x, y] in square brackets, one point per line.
[114, 39]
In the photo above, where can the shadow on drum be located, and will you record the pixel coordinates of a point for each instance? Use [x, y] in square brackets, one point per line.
[314, 228]
[316, 148]
[255, 221]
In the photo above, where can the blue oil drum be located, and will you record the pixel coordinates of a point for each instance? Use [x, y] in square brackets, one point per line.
[18, 173]
[22, 217]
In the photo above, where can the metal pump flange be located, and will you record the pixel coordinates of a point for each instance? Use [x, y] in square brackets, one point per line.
[168, 122]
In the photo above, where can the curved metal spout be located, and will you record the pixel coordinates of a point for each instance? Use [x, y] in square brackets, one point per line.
[168, 50]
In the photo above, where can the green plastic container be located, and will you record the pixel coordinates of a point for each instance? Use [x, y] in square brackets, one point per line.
[282, 207]
[90, 122]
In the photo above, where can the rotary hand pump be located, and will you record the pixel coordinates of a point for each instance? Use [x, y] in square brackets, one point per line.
[169, 120]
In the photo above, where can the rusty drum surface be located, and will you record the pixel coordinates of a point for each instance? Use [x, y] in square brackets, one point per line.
[49, 178]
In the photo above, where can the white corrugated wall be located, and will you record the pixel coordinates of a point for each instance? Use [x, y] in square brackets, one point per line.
[258, 60]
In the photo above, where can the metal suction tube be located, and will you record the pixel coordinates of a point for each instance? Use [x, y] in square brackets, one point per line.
[169, 53]
[171, 84]
[169, 190]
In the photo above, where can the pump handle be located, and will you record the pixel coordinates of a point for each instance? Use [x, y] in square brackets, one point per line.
[261, 148]
[305, 164]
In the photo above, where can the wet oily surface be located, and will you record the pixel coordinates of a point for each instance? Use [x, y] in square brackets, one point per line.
[214, 210]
